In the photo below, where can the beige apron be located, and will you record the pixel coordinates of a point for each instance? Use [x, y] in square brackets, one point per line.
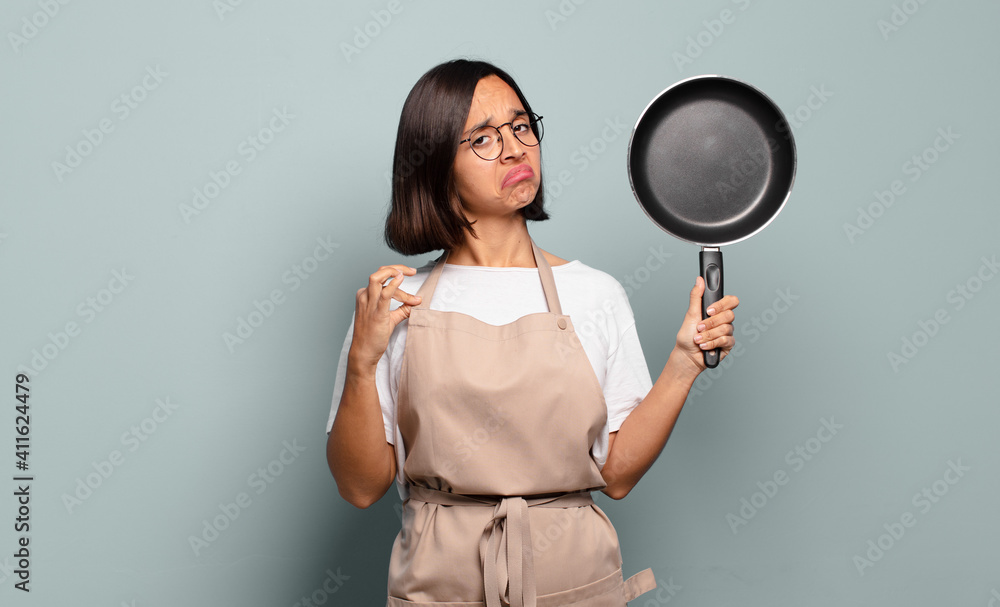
[497, 422]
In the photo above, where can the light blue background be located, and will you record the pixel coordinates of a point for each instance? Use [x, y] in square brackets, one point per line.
[827, 356]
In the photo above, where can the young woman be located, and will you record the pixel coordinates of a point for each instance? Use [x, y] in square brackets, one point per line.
[517, 384]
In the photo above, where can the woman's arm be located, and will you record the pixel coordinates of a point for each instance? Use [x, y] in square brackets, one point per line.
[642, 436]
[362, 462]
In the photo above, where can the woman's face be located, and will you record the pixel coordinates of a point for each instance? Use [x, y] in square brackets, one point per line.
[502, 186]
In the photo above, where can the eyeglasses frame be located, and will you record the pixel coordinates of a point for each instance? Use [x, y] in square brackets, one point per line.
[533, 119]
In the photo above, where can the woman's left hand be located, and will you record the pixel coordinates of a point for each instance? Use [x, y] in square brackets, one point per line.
[697, 335]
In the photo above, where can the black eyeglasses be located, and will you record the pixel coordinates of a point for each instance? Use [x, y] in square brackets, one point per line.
[487, 142]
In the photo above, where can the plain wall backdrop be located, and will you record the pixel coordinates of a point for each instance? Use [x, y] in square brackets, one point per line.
[193, 191]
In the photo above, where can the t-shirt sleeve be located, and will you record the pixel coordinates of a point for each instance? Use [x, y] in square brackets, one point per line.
[382, 383]
[627, 381]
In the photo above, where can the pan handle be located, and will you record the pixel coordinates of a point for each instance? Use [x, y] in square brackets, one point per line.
[710, 259]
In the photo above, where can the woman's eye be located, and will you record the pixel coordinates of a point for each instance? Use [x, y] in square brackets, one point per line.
[481, 141]
[521, 128]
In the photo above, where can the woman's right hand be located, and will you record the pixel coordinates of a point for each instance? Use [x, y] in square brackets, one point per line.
[373, 321]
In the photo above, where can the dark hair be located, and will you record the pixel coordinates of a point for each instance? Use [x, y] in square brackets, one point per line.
[425, 215]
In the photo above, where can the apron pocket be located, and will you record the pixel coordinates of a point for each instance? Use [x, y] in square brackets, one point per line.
[605, 592]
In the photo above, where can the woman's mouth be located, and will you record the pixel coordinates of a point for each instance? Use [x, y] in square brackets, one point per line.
[516, 174]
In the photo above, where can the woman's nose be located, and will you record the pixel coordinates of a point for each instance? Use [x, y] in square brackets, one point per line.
[512, 146]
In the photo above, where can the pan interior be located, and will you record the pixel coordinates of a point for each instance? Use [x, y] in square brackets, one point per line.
[711, 161]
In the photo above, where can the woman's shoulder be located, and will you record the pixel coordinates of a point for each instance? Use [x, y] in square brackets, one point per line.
[589, 279]
[595, 299]
[553, 260]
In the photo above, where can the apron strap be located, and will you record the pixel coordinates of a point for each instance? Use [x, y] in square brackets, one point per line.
[426, 290]
[640, 583]
[548, 281]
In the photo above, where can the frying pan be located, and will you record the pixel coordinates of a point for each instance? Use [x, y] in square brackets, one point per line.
[711, 161]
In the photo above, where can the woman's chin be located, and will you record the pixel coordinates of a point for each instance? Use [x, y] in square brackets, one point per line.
[524, 193]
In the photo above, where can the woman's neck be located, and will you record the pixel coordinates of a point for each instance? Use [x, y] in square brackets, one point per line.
[499, 245]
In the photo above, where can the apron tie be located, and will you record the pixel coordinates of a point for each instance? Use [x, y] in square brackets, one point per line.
[505, 548]
[508, 531]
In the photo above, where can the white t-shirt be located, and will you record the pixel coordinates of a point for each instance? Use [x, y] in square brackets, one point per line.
[594, 300]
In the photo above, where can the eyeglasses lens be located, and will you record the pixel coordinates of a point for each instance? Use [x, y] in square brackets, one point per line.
[487, 142]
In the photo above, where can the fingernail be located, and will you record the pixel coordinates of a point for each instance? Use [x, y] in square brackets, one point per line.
[701, 327]
[704, 346]
[697, 338]
[711, 310]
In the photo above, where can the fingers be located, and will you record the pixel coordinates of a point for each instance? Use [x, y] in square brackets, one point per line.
[720, 313]
[379, 293]
[399, 314]
[394, 270]
[717, 319]
[717, 330]
[392, 291]
[378, 277]
[728, 302]
[720, 337]
[694, 307]
[386, 291]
